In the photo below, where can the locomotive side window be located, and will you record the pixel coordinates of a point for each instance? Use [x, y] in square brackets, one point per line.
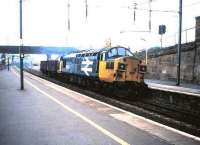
[64, 63]
[103, 56]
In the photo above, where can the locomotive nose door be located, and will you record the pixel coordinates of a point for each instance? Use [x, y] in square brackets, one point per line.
[106, 67]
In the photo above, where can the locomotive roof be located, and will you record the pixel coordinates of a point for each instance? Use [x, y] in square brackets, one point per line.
[106, 48]
[90, 51]
[82, 52]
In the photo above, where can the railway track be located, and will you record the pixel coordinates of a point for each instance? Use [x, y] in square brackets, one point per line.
[180, 118]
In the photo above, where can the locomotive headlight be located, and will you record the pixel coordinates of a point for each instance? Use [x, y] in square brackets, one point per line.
[142, 68]
[121, 66]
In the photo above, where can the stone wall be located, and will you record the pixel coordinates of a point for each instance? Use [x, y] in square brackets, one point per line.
[162, 63]
[163, 66]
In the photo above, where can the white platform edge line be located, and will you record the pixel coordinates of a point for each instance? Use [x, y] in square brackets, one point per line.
[174, 91]
[92, 123]
[131, 114]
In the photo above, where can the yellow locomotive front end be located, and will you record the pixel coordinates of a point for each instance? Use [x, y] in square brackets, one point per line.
[118, 64]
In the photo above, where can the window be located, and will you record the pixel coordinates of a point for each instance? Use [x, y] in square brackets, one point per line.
[102, 56]
[118, 52]
[64, 62]
[112, 52]
[121, 51]
[110, 65]
[129, 53]
[124, 52]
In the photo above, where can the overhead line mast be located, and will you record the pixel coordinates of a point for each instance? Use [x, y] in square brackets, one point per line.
[179, 43]
[135, 7]
[68, 15]
[150, 11]
[21, 47]
[86, 9]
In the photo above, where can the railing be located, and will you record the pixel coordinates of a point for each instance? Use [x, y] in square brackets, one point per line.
[188, 35]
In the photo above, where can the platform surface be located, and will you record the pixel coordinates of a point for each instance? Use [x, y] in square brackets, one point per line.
[189, 89]
[48, 114]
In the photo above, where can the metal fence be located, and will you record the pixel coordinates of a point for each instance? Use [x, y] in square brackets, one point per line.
[188, 35]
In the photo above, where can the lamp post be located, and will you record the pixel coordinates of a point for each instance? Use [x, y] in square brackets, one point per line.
[146, 53]
[20, 48]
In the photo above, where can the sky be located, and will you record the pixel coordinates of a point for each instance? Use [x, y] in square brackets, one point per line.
[45, 22]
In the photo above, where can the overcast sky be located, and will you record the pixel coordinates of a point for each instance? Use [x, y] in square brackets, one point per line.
[45, 22]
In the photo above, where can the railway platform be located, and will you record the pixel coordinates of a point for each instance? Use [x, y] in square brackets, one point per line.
[46, 113]
[188, 89]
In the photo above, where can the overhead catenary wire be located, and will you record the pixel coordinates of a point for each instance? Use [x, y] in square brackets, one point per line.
[150, 11]
[155, 10]
[192, 4]
[145, 3]
[137, 6]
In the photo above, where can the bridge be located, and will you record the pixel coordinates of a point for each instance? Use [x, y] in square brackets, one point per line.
[14, 49]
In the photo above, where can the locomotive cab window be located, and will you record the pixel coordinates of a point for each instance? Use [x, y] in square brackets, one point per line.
[128, 53]
[124, 52]
[112, 53]
[118, 52]
[121, 51]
